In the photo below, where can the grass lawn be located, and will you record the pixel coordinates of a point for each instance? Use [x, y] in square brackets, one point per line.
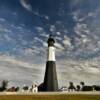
[50, 97]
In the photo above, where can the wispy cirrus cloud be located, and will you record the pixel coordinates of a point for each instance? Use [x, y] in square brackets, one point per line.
[26, 5]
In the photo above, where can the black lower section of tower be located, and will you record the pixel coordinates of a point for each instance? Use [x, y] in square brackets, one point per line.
[50, 80]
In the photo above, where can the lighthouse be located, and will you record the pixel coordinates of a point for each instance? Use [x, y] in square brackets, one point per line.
[50, 79]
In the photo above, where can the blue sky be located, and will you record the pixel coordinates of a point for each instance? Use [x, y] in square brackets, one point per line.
[24, 29]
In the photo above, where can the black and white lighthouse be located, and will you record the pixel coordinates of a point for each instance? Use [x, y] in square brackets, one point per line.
[50, 79]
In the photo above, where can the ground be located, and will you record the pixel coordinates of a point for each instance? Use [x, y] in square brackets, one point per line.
[50, 96]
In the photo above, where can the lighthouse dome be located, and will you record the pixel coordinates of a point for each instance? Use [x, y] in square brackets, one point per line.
[51, 41]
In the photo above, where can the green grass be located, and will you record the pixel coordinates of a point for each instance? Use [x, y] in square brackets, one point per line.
[50, 97]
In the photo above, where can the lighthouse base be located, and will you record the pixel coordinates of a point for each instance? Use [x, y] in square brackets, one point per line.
[50, 79]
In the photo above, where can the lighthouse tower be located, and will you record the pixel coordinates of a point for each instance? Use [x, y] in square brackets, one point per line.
[50, 78]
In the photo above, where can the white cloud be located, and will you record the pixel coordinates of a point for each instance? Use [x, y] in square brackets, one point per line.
[29, 51]
[59, 46]
[2, 19]
[15, 61]
[26, 5]
[20, 72]
[58, 38]
[80, 28]
[52, 28]
[44, 35]
[87, 36]
[7, 37]
[45, 44]
[39, 29]
[4, 29]
[93, 70]
[98, 44]
[90, 14]
[85, 40]
[58, 33]
[86, 70]
[19, 28]
[46, 17]
[38, 39]
[80, 69]
[66, 41]
[77, 15]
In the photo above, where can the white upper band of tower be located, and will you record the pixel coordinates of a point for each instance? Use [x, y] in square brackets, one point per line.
[51, 54]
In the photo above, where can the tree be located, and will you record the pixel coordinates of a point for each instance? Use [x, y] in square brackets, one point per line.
[78, 87]
[82, 83]
[4, 85]
[71, 86]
